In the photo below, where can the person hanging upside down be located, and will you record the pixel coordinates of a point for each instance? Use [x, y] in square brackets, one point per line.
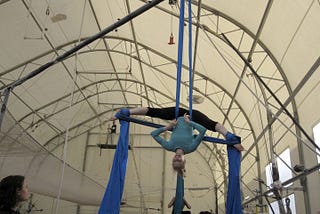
[168, 113]
[182, 140]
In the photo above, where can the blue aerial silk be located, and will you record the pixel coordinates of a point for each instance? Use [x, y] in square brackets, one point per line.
[115, 186]
[190, 57]
[110, 203]
[180, 51]
[234, 193]
[179, 202]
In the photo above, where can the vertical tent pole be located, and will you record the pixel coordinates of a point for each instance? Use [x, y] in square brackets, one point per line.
[6, 94]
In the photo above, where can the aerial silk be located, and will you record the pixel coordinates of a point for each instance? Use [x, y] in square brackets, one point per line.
[233, 205]
[179, 202]
[234, 194]
[111, 201]
[112, 198]
[180, 51]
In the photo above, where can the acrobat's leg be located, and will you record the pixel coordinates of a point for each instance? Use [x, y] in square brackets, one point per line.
[171, 203]
[167, 113]
[186, 203]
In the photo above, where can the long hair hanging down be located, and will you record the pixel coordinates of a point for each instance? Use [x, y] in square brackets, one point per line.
[179, 167]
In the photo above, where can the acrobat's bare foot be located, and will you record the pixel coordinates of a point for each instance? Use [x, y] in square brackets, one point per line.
[239, 147]
[186, 203]
[114, 117]
[188, 206]
[171, 202]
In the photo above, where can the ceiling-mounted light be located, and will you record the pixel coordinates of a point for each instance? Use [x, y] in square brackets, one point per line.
[171, 39]
[58, 17]
[196, 99]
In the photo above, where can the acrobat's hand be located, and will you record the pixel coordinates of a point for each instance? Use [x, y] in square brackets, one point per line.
[171, 125]
[186, 118]
[186, 203]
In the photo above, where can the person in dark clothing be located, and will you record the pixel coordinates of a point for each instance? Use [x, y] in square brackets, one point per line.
[13, 191]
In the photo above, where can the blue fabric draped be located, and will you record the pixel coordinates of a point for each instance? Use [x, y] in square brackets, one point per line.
[110, 203]
[190, 57]
[234, 194]
[233, 205]
[179, 203]
[180, 50]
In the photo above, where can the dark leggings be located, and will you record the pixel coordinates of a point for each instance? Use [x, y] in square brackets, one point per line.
[169, 114]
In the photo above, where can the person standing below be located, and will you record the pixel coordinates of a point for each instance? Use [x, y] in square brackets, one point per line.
[13, 191]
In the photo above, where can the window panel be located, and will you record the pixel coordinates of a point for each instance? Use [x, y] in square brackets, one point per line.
[316, 134]
[284, 165]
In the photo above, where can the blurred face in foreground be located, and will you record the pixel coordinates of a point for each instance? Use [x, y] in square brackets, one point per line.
[23, 193]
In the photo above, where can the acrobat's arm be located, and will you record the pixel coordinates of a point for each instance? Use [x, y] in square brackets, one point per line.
[196, 141]
[165, 144]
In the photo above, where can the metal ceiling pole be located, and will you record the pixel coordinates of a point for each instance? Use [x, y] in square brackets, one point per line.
[6, 94]
[3, 1]
[274, 168]
[138, 54]
[299, 128]
[291, 180]
[54, 50]
[272, 94]
[249, 58]
[86, 42]
[108, 53]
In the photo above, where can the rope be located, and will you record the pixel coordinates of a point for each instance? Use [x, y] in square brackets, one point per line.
[65, 146]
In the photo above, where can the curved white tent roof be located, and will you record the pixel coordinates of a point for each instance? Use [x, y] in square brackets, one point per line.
[256, 68]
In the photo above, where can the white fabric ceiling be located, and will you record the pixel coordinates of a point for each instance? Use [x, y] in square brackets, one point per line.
[134, 65]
